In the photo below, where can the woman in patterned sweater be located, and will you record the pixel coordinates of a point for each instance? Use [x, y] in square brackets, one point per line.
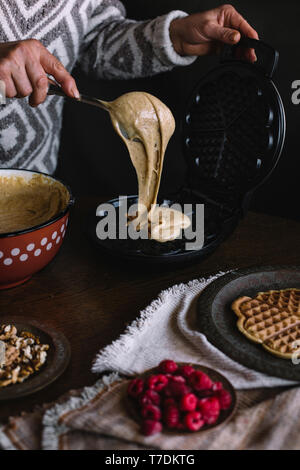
[40, 38]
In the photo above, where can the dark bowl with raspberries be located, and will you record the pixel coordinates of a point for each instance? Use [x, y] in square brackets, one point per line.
[180, 397]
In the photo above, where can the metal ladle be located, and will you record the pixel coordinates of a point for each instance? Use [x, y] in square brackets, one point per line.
[55, 89]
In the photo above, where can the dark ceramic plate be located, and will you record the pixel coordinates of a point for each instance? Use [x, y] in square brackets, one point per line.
[224, 416]
[58, 357]
[218, 322]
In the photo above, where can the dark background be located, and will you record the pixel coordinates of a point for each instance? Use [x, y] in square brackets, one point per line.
[93, 160]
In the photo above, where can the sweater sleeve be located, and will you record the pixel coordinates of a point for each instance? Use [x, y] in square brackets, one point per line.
[118, 48]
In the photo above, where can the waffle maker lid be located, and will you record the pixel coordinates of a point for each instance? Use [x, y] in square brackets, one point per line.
[233, 128]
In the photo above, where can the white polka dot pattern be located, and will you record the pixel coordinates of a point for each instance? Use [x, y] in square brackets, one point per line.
[15, 254]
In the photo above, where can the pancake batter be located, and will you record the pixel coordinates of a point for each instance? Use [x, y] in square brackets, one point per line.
[25, 204]
[146, 125]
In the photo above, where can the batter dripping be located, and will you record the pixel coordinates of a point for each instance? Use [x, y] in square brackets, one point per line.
[146, 125]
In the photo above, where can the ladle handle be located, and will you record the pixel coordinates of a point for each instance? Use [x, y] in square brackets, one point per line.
[57, 90]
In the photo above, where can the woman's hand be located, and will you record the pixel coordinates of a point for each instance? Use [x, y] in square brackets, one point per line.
[203, 33]
[24, 66]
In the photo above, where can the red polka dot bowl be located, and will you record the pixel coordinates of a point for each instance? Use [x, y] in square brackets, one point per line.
[25, 252]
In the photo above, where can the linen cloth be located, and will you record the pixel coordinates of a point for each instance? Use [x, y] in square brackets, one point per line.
[97, 417]
[94, 419]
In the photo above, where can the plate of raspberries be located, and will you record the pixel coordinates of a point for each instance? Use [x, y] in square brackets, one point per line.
[180, 397]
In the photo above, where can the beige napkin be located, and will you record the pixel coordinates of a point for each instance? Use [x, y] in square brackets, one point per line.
[99, 419]
[109, 414]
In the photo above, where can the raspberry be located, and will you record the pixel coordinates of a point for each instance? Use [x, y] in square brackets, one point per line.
[217, 386]
[151, 412]
[167, 367]
[150, 427]
[193, 421]
[175, 389]
[176, 378]
[224, 398]
[150, 397]
[135, 387]
[210, 409]
[169, 401]
[171, 416]
[185, 371]
[188, 402]
[200, 381]
[157, 382]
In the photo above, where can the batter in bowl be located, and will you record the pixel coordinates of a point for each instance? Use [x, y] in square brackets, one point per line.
[27, 203]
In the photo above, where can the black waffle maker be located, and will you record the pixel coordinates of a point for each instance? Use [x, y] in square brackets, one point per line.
[233, 132]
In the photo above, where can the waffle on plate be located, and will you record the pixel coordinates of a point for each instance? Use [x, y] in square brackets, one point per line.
[272, 319]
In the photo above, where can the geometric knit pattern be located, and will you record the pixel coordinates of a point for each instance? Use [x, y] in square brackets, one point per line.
[96, 35]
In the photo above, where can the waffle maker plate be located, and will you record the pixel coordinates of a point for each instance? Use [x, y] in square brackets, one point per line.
[233, 132]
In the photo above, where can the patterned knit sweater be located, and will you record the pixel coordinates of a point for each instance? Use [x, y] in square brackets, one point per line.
[96, 35]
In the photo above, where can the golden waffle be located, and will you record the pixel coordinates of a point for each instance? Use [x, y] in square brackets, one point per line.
[271, 318]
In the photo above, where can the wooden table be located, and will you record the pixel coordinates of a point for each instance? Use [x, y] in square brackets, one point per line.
[91, 298]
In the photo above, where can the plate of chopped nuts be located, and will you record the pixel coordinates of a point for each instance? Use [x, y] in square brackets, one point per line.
[31, 356]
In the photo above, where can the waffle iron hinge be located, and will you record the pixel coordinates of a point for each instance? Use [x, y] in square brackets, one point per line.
[186, 195]
[222, 203]
[246, 203]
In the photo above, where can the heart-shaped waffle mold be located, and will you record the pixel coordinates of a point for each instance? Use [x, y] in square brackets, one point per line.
[273, 319]
[233, 131]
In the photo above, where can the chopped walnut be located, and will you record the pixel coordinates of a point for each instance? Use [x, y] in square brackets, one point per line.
[24, 355]
[7, 332]
[11, 355]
